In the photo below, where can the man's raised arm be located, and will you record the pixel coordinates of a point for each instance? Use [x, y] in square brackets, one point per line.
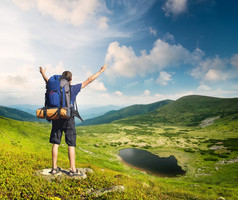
[42, 71]
[93, 77]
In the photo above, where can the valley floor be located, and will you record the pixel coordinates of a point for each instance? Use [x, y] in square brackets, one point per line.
[209, 155]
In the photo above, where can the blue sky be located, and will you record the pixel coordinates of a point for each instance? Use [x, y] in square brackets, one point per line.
[155, 49]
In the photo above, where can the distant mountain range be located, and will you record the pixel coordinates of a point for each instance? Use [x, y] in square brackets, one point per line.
[125, 112]
[18, 114]
[86, 112]
[189, 111]
[31, 109]
[91, 112]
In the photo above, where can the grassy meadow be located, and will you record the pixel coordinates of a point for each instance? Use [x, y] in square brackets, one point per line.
[202, 152]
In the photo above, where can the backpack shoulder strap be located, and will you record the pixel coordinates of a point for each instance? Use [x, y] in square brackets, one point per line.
[77, 112]
[67, 91]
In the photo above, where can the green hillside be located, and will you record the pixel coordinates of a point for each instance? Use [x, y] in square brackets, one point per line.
[125, 112]
[189, 111]
[209, 155]
[17, 114]
[24, 149]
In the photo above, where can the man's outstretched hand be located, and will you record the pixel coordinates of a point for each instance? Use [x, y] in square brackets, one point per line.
[42, 71]
[103, 68]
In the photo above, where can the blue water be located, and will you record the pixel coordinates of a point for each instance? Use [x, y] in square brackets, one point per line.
[146, 161]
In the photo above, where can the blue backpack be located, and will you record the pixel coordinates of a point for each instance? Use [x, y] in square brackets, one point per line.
[58, 103]
[58, 92]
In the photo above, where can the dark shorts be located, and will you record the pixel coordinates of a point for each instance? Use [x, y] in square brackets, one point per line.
[62, 125]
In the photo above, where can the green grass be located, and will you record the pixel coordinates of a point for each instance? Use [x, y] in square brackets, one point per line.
[24, 149]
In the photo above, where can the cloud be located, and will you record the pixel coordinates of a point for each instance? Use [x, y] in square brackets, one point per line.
[147, 93]
[96, 86]
[169, 37]
[214, 75]
[174, 7]
[131, 85]
[173, 96]
[204, 88]
[149, 81]
[67, 11]
[163, 78]
[146, 97]
[152, 31]
[58, 69]
[124, 62]
[22, 85]
[14, 38]
[234, 61]
[211, 70]
[218, 92]
[102, 23]
[118, 93]
[25, 84]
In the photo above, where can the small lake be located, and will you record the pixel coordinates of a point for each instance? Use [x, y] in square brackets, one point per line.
[146, 161]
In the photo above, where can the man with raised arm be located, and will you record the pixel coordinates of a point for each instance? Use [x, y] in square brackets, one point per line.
[67, 125]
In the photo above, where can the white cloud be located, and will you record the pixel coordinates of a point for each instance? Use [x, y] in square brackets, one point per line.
[204, 88]
[218, 92]
[152, 31]
[96, 86]
[147, 93]
[124, 62]
[163, 78]
[173, 96]
[174, 7]
[118, 93]
[122, 58]
[169, 37]
[211, 70]
[106, 98]
[103, 23]
[25, 84]
[14, 38]
[115, 99]
[213, 75]
[71, 12]
[58, 69]
[197, 56]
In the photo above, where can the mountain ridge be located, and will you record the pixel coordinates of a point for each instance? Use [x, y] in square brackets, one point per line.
[188, 110]
[17, 114]
[128, 111]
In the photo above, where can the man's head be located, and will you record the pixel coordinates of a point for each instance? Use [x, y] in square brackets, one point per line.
[68, 75]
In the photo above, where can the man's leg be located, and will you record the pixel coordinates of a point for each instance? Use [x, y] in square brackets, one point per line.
[71, 152]
[55, 139]
[54, 155]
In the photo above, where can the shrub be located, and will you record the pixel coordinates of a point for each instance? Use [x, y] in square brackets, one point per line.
[189, 150]
[210, 159]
